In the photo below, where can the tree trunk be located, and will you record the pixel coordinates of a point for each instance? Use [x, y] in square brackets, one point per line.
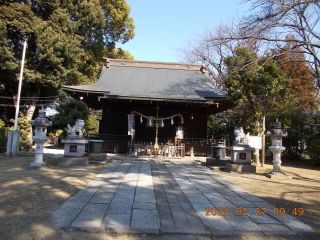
[30, 113]
[257, 151]
[32, 107]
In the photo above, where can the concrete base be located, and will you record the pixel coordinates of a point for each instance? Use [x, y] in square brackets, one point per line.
[217, 168]
[97, 162]
[241, 168]
[36, 165]
[97, 156]
[69, 161]
[278, 176]
[217, 162]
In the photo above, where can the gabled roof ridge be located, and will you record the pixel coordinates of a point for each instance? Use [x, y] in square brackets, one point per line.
[151, 64]
[154, 67]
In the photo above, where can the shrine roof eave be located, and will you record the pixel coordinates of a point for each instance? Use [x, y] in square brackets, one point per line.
[208, 101]
[106, 95]
[76, 89]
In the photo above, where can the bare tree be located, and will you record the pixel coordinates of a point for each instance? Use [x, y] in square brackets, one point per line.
[274, 20]
[210, 50]
[266, 26]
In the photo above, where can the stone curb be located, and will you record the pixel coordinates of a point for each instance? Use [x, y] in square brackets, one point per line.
[185, 231]
[86, 229]
[149, 231]
[188, 231]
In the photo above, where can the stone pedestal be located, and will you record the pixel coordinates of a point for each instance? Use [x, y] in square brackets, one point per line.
[74, 147]
[38, 155]
[241, 154]
[74, 152]
[241, 168]
[241, 159]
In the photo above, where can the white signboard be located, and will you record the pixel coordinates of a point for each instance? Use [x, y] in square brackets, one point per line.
[130, 124]
[255, 142]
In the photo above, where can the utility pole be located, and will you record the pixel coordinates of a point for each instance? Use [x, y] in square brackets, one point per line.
[13, 143]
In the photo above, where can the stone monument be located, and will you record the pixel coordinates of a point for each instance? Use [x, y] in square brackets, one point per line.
[241, 153]
[40, 137]
[276, 148]
[74, 146]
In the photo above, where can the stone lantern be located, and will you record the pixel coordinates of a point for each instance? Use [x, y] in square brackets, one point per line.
[40, 137]
[276, 148]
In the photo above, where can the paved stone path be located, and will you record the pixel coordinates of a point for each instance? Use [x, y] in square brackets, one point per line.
[170, 197]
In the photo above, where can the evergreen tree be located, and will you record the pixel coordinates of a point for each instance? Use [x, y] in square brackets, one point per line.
[24, 127]
[256, 81]
[59, 35]
[69, 112]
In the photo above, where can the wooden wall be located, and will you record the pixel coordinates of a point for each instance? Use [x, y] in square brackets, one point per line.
[115, 120]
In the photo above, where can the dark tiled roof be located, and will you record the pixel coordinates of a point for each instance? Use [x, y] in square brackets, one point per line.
[152, 80]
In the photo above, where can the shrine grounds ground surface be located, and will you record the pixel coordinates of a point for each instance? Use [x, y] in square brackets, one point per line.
[29, 197]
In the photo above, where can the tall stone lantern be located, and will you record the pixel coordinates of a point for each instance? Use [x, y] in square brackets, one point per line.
[40, 137]
[276, 148]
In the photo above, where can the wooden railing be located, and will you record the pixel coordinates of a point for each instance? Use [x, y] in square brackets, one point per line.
[201, 146]
[203, 141]
[145, 149]
[112, 143]
[121, 144]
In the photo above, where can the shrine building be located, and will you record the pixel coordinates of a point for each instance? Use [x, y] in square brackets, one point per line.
[153, 102]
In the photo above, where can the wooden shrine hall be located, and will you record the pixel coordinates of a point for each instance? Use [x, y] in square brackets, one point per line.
[152, 104]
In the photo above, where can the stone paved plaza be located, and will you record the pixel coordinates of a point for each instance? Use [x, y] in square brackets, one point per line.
[158, 196]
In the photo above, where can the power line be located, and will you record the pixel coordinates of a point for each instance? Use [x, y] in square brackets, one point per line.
[11, 105]
[13, 97]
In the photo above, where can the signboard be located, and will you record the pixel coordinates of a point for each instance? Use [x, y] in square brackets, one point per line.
[73, 148]
[243, 156]
[130, 124]
[255, 142]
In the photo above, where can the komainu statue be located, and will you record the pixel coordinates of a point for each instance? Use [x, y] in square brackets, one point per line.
[240, 136]
[77, 129]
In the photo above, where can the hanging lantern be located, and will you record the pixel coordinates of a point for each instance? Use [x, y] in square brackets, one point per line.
[172, 121]
[141, 120]
[162, 124]
[150, 123]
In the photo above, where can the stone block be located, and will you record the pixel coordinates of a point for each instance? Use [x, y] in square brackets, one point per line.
[241, 168]
[76, 202]
[63, 217]
[73, 161]
[117, 220]
[216, 162]
[124, 194]
[74, 147]
[241, 154]
[121, 206]
[104, 197]
[243, 223]
[145, 219]
[97, 156]
[144, 205]
[96, 162]
[197, 198]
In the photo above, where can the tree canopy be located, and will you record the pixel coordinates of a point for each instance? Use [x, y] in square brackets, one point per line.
[66, 42]
[60, 34]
